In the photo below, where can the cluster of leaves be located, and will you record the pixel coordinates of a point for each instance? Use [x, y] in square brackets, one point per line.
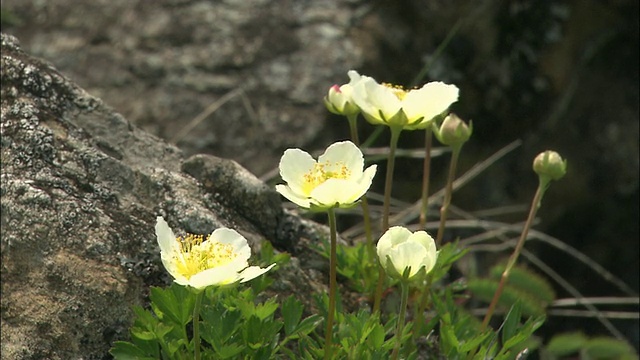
[576, 343]
[530, 289]
[233, 325]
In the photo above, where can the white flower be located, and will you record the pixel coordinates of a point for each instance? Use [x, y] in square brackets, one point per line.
[337, 179]
[219, 259]
[383, 104]
[399, 249]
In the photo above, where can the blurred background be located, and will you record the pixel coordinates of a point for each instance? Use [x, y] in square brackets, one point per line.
[245, 80]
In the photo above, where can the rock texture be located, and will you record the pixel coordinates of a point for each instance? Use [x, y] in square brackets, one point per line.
[163, 63]
[81, 187]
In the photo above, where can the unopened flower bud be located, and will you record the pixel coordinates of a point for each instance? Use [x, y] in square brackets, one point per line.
[550, 164]
[338, 100]
[399, 249]
[454, 131]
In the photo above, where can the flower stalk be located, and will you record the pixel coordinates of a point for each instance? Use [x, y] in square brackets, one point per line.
[395, 135]
[328, 346]
[364, 203]
[404, 285]
[196, 325]
[426, 174]
[549, 166]
[444, 209]
[453, 132]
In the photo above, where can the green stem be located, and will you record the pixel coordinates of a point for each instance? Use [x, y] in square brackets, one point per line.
[328, 347]
[426, 170]
[377, 299]
[448, 191]
[353, 127]
[196, 325]
[424, 300]
[535, 204]
[395, 135]
[404, 284]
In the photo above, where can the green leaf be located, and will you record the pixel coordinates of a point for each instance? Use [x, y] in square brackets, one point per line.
[447, 255]
[511, 322]
[219, 323]
[258, 333]
[229, 351]
[485, 288]
[291, 314]
[308, 324]
[608, 348]
[524, 332]
[176, 302]
[566, 344]
[376, 338]
[474, 342]
[265, 310]
[527, 281]
[123, 350]
[142, 334]
[448, 339]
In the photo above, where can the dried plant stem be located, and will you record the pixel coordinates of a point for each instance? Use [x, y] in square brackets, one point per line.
[535, 204]
[196, 325]
[410, 213]
[455, 153]
[395, 135]
[328, 346]
[426, 174]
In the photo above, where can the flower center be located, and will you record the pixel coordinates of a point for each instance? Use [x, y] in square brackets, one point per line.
[322, 172]
[196, 254]
[397, 90]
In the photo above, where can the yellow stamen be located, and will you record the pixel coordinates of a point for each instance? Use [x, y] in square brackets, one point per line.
[322, 172]
[196, 254]
[397, 90]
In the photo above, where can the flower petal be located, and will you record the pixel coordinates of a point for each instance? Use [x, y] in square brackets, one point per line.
[165, 236]
[354, 77]
[429, 101]
[367, 177]
[377, 101]
[345, 153]
[408, 254]
[294, 164]
[424, 239]
[336, 192]
[286, 191]
[396, 235]
[253, 272]
[220, 275]
[233, 238]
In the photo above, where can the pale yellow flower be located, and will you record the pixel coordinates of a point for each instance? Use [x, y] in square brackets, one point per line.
[194, 261]
[384, 104]
[399, 248]
[337, 179]
[338, 99]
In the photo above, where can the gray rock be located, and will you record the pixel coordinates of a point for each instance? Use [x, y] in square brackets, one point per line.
[161, 64]
[81, 188]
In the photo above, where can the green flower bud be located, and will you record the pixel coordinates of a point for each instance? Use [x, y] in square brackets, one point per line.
[454, 131]
[550, 164]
